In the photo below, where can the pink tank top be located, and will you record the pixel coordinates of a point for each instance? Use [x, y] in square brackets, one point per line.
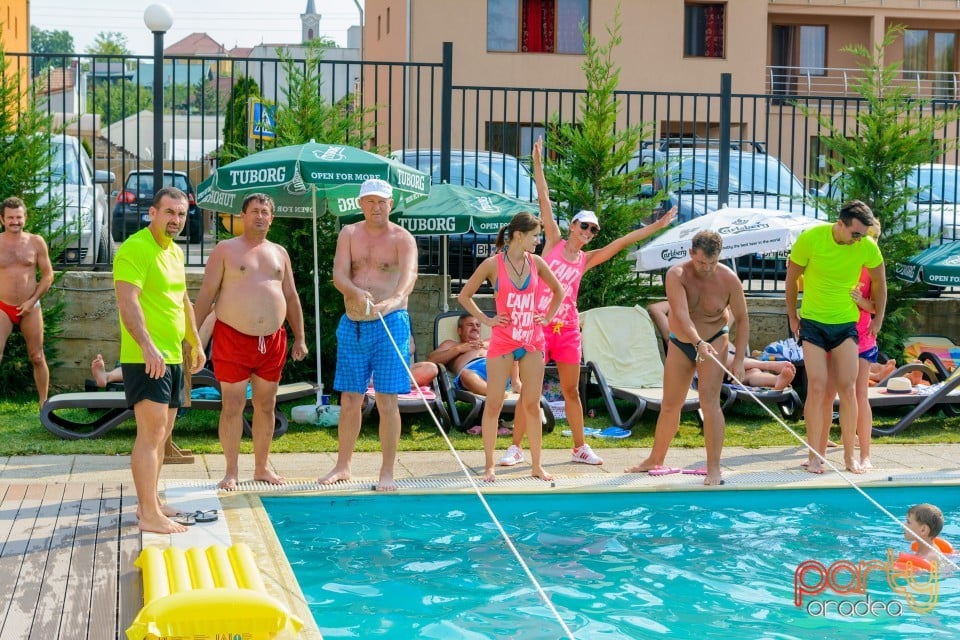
[569, 274]
[864, 339]
[518, 305]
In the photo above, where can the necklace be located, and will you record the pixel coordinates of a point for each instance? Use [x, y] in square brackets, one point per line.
[519, 272]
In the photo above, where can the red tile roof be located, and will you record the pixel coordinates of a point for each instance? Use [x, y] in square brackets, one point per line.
[196, 44]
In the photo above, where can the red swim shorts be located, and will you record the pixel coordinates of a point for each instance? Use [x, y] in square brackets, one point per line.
[236, 356]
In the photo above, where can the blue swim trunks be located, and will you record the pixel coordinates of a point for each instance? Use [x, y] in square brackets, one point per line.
[364, 351]
[479, 367]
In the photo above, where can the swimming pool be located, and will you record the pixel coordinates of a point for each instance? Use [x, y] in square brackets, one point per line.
[705, 564]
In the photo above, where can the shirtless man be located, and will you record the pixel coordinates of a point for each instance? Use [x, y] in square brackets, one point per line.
[375, 268]
[703, 294]
[22, 254]
[251, 281]
[467, 357]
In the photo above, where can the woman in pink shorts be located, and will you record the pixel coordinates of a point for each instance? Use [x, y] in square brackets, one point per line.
[516, 331]
[569, 262]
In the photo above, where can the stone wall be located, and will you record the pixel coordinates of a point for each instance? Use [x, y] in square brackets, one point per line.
[91, 320]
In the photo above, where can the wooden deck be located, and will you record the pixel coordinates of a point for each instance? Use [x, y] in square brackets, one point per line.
[66, 560]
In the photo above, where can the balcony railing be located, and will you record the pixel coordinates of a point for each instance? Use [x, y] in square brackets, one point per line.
[832, 81]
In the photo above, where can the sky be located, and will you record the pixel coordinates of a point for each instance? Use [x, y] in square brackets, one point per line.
[232, 23]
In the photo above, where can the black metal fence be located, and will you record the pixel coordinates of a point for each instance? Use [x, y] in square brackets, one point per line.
[733, 149]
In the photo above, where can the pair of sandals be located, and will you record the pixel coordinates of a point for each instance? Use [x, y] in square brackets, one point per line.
[502, 429]
[190, 518]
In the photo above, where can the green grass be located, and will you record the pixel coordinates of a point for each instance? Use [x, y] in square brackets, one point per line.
[747, 426]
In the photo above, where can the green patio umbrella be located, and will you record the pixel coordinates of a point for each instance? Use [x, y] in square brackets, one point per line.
[452, 209]
[306, 180]
[938, 265]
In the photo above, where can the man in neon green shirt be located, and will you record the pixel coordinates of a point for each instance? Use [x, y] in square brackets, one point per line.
[155, 318]
[830, 259]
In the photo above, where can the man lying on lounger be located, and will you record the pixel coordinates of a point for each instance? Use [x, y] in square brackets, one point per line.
[467, 358]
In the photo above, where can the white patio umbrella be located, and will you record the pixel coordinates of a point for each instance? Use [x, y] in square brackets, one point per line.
[744, 232]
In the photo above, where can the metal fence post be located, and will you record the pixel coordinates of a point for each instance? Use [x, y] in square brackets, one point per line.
[446, 111]
[724, 173]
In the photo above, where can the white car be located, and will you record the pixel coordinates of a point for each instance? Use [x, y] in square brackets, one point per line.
[79, 229]
[936, 204]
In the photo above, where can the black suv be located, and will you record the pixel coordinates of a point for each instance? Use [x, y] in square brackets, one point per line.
[132, 209]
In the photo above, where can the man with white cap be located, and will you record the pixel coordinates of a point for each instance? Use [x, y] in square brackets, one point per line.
[375, 268]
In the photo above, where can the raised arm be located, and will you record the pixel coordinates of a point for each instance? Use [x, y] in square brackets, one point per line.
[551, 230]
[601, 255]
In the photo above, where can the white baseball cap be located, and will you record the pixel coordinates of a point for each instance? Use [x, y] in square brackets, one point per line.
[586, 216]
[376, 187]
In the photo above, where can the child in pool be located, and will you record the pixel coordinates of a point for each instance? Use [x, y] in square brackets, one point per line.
[924, 523]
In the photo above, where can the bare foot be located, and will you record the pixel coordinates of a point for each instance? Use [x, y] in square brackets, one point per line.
[489, 475]
[386, 483]
[164, 509]
[335, 476]
[866, 464]
[814, 466]
[831, 444]
[161, 524]
[99, 371]
[268, 476]
[229, 483]
[712, 479]
[539, 472]
[643, 467]
[784, 379]
[853, 466]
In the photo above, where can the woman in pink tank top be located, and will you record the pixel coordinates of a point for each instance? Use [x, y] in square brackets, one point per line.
[568, 261]
[516, 331]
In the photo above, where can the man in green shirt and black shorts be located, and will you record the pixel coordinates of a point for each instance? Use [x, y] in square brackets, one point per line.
[830, 258]
[155, 318]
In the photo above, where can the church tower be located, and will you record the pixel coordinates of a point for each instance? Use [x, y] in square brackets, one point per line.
[310, 20]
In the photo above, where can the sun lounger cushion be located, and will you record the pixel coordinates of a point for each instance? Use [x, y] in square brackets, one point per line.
[949, 356]
[614, 340]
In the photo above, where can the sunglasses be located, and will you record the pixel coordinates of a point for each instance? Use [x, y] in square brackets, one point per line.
[592, 228]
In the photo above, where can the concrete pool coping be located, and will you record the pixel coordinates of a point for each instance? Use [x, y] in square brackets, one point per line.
[244, 520]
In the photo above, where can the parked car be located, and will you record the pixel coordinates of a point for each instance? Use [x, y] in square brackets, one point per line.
[935, 204]
[691, 177]
[131, 211]
[491, 170]
[82, 221]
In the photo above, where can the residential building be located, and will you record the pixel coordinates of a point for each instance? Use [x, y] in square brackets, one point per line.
[791, 48]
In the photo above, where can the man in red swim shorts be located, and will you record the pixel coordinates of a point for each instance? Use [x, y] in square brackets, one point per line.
[251, 281]
[22, 256]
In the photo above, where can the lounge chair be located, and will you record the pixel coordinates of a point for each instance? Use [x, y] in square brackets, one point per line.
[445, 328]
[787, 399]
[110, 409]
[940, 395]
[621, 343]
[412, 403]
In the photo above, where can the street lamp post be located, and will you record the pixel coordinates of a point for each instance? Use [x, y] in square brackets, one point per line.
[158, 18]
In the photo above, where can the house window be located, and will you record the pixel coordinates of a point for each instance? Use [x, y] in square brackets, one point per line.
[799, 50]
[514, 138]
[931, 55]
[704, 29]
[537, 26]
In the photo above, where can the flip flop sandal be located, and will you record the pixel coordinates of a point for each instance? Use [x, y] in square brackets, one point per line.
[210, 515]
[690, 472]
[615, 432]
[587, 431]
[475, 430]
[664, 471]
[185, 519]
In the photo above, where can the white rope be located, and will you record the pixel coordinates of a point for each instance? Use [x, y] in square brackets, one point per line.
[822, 459]
[466, 472]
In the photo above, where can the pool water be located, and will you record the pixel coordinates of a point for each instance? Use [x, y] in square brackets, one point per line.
[698, 564]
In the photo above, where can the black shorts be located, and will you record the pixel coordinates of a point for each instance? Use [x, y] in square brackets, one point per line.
[137, 385]
[827, 336]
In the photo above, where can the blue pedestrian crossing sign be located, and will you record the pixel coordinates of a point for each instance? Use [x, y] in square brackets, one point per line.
[262, 120]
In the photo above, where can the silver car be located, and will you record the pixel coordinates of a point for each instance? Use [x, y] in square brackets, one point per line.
[79, 229]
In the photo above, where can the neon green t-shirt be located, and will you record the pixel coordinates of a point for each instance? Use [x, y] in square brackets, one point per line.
[831, 271]
[162, 280]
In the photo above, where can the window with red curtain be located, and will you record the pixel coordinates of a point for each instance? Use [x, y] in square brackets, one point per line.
[704, 28]
[538, 23]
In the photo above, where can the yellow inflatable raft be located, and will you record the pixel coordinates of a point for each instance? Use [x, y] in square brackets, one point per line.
[216, 593]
